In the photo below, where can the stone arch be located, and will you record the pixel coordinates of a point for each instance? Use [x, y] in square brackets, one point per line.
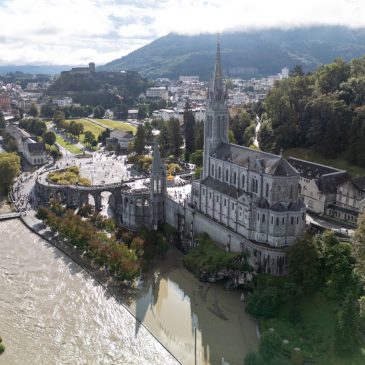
[61, 196]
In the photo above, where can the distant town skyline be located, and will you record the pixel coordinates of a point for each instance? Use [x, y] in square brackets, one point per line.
[73, 32]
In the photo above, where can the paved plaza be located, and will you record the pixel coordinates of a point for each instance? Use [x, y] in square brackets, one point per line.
[102, 168]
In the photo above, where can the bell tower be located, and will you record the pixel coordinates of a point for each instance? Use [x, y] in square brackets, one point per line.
[216, 119]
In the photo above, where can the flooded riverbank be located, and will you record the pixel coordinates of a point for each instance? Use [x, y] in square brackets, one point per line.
[172, 302]
[50, 306]
[52, 312]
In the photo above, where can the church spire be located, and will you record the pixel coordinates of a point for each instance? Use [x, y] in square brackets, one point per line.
[217, 87]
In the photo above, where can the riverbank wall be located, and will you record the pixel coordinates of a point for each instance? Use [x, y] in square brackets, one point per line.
[110, 284]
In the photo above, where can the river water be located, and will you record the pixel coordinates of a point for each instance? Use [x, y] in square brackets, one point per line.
[52, 312]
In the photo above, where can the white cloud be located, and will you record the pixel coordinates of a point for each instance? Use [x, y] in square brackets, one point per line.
[78, 31]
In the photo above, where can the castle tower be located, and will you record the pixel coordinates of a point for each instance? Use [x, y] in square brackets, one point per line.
[216, 119]
[157, 189]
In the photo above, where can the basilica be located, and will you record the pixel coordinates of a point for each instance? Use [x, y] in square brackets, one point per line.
[246, 200]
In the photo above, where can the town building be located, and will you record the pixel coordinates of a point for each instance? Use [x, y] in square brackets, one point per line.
[62, 102]
[34, 152]
[318, 183]
[119, 140]
[350, 200]
[157, 93]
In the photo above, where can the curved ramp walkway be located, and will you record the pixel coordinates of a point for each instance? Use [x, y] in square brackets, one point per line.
[5, 216]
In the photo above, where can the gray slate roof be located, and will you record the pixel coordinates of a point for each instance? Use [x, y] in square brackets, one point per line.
[359, 182]
[36, 147]
[327, 177]
[243, 156]
[116, 133]
[221, 187]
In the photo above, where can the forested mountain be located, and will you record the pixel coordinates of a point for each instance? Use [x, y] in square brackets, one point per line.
[324, 110]
[94, 88]
[244, 54]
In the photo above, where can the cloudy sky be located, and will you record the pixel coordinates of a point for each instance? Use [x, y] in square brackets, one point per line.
[73, 32]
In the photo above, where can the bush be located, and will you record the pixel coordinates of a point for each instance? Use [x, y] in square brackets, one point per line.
[270, 346]
[253, 359]
[2, 348]
[265, 303]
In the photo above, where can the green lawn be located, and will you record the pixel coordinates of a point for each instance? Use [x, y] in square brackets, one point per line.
[115, 124]
[69, 147]
[312, 331]
[89, 126]
[339, 162]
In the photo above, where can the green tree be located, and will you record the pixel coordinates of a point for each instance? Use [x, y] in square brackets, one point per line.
[199, 136]
[358, 248]
[99, 112]
[296, 71]
[197, 158]
[329, 77]
[33, 110]
[55, 153]
[49, 137]
[189, 129]
[270, 346]
[89, 138]
[58, 117]
[142, 112]
[9, 169]
[48, 110]
[356, 152]
[103, 136]
[164, 140]
[238, 125]
[2, 123]
[303, 263]
[175, 138]
[148, 132]
[139, 141]
[347, 325]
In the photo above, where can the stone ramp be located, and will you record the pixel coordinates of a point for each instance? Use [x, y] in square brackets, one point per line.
[4, 216]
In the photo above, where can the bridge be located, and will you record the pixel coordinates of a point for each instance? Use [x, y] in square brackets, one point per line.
[5, 216]
[76, 196]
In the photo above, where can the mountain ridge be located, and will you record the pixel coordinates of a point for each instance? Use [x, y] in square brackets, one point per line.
[251, 53]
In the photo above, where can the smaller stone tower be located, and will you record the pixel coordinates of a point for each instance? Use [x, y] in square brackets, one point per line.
[157, 189]
[92, 67]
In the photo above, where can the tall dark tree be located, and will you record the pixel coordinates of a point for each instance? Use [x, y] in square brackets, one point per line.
[99, 112]
[347, 325]
[175, 136]
[189, 129]
[49, 137]
[2, 122]
[164, 139]
[148, 132]
[199, 135]
[140, 142]
[33, 110]
[142, 112]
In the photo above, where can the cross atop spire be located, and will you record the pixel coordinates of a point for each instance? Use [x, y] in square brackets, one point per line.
[216, 93]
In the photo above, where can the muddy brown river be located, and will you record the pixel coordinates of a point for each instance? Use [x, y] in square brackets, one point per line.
[53, 312]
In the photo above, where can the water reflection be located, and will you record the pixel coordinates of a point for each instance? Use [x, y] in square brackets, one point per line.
[171, 302]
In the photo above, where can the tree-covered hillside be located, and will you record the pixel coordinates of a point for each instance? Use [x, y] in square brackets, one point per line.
[324, 111]
[99, 87]
[244, 54]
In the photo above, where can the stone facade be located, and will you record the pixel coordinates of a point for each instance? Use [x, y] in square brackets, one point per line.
[253, 193]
